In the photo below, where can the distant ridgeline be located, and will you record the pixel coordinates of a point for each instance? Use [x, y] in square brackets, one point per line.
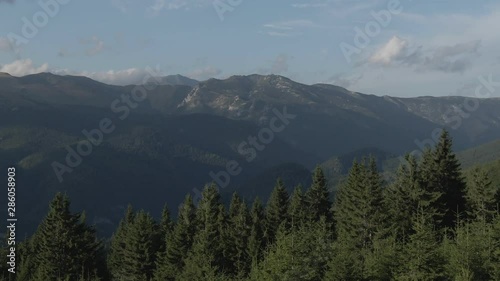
[430, 223]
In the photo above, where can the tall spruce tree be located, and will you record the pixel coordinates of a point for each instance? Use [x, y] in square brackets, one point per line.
[207, 254]
[116, 252]
[276, 211]
[239, 229]
[318, 197]
[423, 258]
[66, 248]
[403, 197]
[441, 173]
[358, 206]
[358, 220]
[480, 197]
[166, 226]
[298, 212]
[141, 247]
[256, 239]
[178, 243]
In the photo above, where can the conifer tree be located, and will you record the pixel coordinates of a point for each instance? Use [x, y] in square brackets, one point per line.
[178, 243]
[302, 254]
[66, 248]
[480, 197]
[358, 206]
[375, 201]
[470, 253]
[403, 196]
[382, 259]
[166, 223]
[347, 262]
[276, 211]
[495, 260]
[27, 262]
[298, 212]
[256, 239]
[118, 242]
[318, 197]
[239, 232]
[207, 255]
[441, 173]
[422, 259]
[141, 247]
[358, 220]
[166, 227]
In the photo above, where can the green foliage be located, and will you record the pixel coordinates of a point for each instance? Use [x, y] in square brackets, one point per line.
[470, 253]
[63, 247]
[495, 259]
[442, 174]
[239, 230]
[317, 197]
[422, 259]
[298, 212]
[402, 198]
[256, 240]
[141, 246]
[480, 197]
[207, 254]
[178, 243]
[359, 206]
[301, 254]
[134, 247]
[276, 211]
[399, 231]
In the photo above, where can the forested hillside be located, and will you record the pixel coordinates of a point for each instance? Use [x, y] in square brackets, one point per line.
[185, 129]
[430, 224]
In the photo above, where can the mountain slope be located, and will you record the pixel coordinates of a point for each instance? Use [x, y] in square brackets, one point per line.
[169, 143]
[150, 159]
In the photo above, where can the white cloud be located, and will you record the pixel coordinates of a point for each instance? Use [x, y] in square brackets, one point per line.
[23, 67]
[114, 77]
[288, 28]
[456, 58]
[390, 51]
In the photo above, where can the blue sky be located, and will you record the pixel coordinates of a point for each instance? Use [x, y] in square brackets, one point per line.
[434, 47]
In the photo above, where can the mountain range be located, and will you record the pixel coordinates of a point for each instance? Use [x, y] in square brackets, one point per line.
[185, 133]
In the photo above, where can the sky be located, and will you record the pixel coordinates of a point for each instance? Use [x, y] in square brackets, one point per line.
[401, 48]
